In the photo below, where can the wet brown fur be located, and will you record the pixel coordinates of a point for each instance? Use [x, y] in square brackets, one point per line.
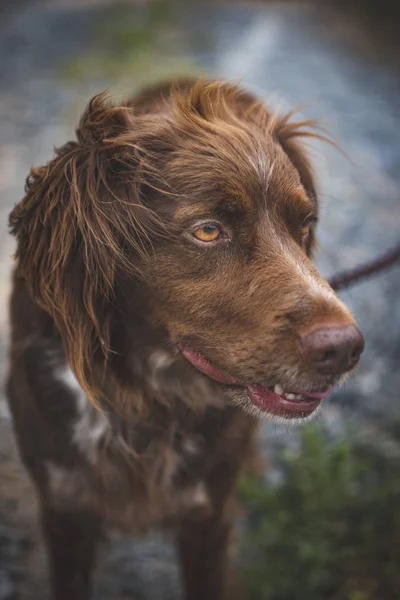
[109, 280]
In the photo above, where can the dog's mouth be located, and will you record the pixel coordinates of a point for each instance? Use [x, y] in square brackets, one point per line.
[274, 401]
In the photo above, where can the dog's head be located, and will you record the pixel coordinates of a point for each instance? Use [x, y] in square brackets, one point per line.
[190, 226]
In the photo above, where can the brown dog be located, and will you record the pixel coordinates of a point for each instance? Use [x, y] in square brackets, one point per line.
[164, 298]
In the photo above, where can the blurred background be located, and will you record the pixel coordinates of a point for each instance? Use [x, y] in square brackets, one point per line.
[322, 521]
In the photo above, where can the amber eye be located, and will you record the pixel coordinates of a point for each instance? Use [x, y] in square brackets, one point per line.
[305, 231]
[306, 227]
[208, 233]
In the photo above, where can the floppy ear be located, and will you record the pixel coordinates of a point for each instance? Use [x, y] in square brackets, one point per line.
[77, 226]
[290, 135]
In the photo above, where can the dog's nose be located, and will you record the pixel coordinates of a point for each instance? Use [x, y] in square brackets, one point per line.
[333, 350]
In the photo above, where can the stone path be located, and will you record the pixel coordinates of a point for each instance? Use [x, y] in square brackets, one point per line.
[293, 55]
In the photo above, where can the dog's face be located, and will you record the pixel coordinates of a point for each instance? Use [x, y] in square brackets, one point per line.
[222, 219]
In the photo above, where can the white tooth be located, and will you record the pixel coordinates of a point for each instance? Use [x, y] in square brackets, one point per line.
[278, 389]
[291, 396]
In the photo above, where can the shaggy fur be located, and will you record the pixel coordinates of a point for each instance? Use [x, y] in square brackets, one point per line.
[113, 423]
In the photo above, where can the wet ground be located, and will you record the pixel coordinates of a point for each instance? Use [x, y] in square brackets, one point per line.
[54, 56]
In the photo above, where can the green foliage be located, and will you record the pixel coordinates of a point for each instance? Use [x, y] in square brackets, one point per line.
[138, 42]
[330, 530]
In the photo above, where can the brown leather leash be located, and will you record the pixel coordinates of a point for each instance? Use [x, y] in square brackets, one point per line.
[346, 278]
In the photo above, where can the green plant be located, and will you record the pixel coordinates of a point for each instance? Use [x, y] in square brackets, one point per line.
[138, 43]
[330, 530]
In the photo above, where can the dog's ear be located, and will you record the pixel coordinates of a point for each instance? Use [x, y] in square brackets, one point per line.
[77, 226]
[291, 136]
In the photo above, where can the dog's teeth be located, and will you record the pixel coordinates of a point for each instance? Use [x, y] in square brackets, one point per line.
[278, 389]
[291, 396]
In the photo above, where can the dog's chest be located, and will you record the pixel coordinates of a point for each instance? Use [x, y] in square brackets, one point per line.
[129, 487]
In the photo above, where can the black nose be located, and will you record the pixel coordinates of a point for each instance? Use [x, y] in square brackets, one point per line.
[333, 350]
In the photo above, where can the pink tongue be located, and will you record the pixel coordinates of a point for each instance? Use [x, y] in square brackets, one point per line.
[275, 404]
[256, 392]
[205, 367]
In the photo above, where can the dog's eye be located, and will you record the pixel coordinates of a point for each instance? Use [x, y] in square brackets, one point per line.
[305, 230]
[306, 227]
[208, 233]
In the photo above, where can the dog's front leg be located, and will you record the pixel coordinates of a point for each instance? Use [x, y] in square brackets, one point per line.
[203, 543]
[71, 540]
[203, 549]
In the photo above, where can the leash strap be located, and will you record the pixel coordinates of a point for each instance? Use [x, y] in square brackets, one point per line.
[346, 278]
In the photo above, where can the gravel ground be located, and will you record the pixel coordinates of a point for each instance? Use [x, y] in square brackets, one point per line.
[293, 56]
